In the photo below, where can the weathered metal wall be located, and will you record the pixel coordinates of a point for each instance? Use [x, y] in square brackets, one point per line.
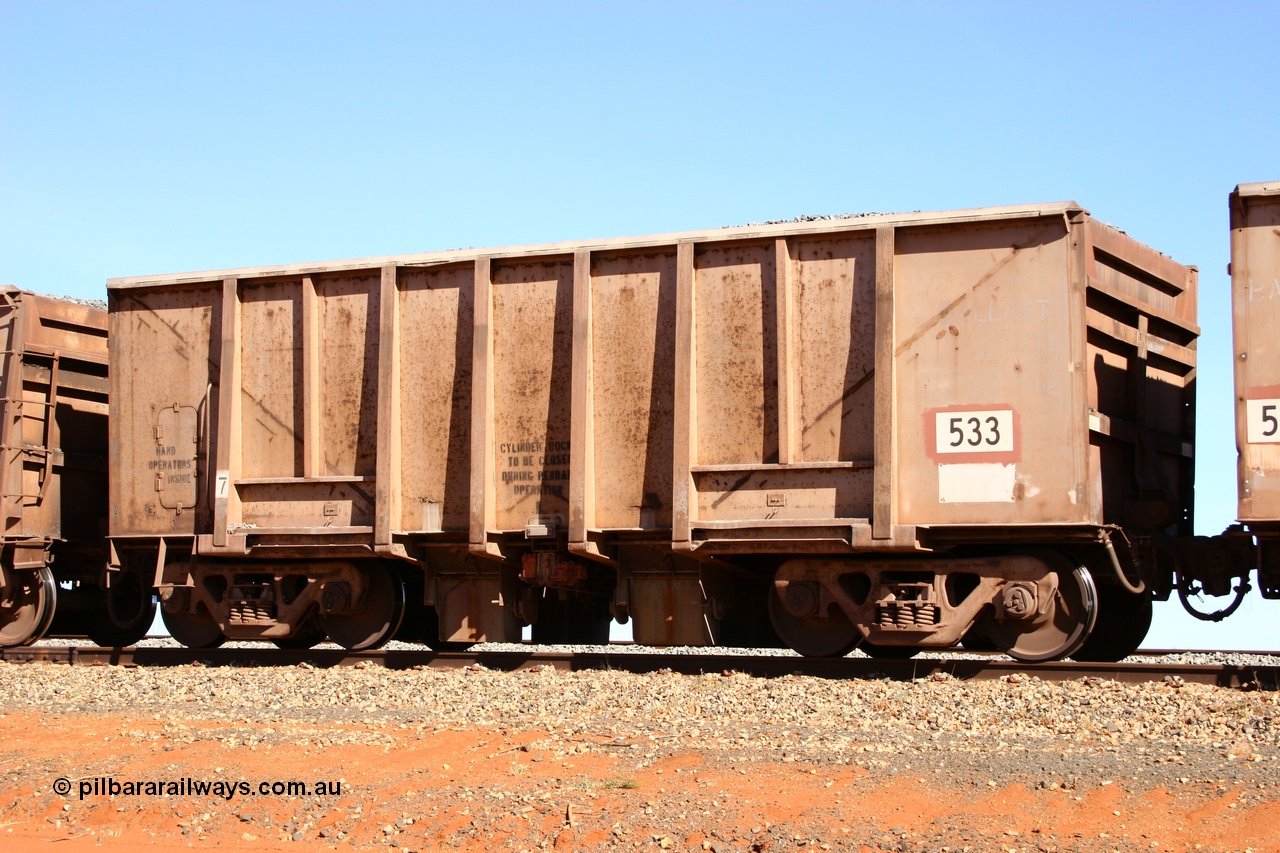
[1255, 293]
[165, 354]
[53, 430]
[817, 380]
[436, 317]
[1140, 317]
[986, 329]
[633, 299]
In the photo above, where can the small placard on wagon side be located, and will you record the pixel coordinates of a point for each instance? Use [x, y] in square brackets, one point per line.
[1262, 421]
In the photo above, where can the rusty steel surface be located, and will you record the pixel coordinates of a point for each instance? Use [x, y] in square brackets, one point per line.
[53, 428]
[1265, 677]
[989, 347]
[53, 478]
[1255, 300]
[1255, 291]
[658, 411]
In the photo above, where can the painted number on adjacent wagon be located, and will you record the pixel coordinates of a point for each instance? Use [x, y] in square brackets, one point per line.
[1262, 421]
[989, 431]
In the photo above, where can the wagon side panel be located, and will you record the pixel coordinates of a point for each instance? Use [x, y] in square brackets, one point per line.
[308, 425]
[436, 323]
[633, 305]
[989, 426]
[532, 323]
[164, 406]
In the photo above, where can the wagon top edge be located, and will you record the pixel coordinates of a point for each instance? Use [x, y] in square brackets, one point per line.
[784, 229]
[1261, 188]
[89, 313]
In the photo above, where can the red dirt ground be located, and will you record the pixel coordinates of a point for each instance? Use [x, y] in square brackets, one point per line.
[480, 790]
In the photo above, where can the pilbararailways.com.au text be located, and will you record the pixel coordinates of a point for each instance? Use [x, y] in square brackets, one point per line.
[227, 789]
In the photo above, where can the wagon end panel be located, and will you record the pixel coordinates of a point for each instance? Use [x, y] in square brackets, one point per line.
[11, 426]
[1140, 318]
[165, 360]
[989, 420]
[66, 405]
[1255, 294]
[55, 423]
[78, 328]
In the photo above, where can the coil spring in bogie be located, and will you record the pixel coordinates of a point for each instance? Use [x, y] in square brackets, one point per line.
[249, 612]
[907, 614]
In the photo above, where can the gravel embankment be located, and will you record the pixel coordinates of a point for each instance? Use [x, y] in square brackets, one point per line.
[667, 736]
[1205, 658]
[1017, 729]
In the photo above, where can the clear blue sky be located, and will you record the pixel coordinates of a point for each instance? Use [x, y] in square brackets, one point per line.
[160, 137]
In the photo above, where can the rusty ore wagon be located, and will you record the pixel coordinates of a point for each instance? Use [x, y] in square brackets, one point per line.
[900, 431]
[53, 479]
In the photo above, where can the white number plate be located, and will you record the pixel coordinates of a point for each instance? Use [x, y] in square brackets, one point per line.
[1262, 421]
[989, 431]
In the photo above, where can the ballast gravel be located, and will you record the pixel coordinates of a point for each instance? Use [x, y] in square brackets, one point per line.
[1016, 729]
[1066, 739]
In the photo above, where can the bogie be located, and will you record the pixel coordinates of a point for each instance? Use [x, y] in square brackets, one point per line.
[1033, 604]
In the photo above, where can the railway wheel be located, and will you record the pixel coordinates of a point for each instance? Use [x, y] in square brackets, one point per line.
[1123, 622]
[795, 613]
[128, 613]
[377, 617]
[309, 634]
[28, 605]
[1062, 624]
[195, 630]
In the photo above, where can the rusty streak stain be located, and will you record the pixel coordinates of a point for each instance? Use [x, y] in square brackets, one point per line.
[172, 327]
[742, 481]
[937, 318]
[849, 392]
[287, 427]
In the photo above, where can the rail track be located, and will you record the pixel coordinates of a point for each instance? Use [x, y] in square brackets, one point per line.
[1245, 676]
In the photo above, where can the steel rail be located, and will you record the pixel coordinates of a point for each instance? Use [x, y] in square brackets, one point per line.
[1265, 677]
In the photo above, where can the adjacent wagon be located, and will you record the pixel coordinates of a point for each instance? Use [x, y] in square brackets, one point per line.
[53, 478]
[1255, 291]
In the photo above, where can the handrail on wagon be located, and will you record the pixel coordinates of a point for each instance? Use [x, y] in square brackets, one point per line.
[50, 403]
